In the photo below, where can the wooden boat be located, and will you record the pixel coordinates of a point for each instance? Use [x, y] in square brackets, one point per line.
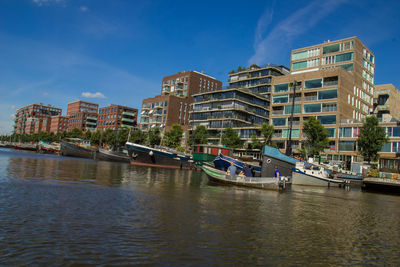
[273, 157]
[77, 148]
[207, 153]
[25, 146]
[48, 148]
[311, 175]
[112, 155]
[388, 185]
[269, 183]
[158, 157]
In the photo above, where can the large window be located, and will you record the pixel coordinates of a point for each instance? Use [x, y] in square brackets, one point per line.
[347, 146]
[311, 108]
[327, 94]
[344, 57]
[345, 132]
[394, 131]
[279, 121]
[295, 133]
[330, 49]
[331, 131]
[288, 109]
[347, 67]
[313, 84]
[299, 65]
[280, 99]
[386, 147]
[328, 119]
[300, 55]
[281, 88]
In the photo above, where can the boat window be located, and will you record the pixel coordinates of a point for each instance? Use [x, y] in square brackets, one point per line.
[316, 168]
[307, 167]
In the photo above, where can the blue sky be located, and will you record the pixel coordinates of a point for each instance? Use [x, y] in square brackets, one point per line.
[58, 51]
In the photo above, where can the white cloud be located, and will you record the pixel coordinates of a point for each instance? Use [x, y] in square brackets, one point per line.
[45, 93]
[285, 31]
[48, 2]
[93, 95]
[13, 107]
[84, 8]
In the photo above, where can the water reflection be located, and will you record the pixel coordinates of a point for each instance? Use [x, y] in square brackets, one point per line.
[60, 211]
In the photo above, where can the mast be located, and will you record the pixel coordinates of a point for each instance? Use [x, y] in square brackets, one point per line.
[289, 143]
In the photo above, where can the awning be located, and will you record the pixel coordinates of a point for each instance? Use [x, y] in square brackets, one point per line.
[141, 113]
[151, 111]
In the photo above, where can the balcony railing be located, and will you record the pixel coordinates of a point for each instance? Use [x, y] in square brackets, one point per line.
[310, 98]
[277, 112]
[127, 113]
[331, 83]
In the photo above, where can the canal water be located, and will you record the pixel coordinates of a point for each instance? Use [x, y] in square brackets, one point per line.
[62, 211]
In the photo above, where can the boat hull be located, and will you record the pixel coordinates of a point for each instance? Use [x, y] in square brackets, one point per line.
[116, 156]
[223, 162]
[73, 150]
[381, 185]
[273, 157]
[146, 156]
[300, 178]
[268, 183]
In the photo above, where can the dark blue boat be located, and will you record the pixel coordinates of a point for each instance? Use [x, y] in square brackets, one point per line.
[223, 162]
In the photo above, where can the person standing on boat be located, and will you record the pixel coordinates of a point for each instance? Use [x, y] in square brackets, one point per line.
[247, 171]
[277, 174]
[232, 170]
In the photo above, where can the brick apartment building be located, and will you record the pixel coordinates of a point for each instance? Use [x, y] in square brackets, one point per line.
[58, 124]
[82, 115]
[34, 118]
[116, 117]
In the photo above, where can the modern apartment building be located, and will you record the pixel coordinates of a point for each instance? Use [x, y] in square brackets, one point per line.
[172, 106]
[116, 117]
[256, 79]
[82, 115]
[186, 83]
[34, 118]
[239, 109]
[387, 102]
[59, 124]
[333, 81]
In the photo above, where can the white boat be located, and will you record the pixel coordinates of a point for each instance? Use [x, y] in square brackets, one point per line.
[312, 175]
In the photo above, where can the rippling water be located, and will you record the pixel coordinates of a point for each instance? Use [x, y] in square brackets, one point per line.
[62, 211]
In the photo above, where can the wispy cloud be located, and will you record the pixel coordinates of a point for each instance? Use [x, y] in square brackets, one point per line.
[48, 2]
[13, 107]
[83, 8]
[93, 95]
[278, 38]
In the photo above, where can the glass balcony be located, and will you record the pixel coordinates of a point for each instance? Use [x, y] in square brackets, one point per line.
[127, 113]
[128, 120]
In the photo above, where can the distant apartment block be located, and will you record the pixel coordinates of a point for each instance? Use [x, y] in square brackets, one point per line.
[256, 79]
[34, 118]
[115, 117]
[58, 124]
[82, 115]
[387, 102]
[186, 83]
[238, 109]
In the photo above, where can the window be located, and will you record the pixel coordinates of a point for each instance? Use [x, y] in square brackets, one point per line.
[331, 49]
[331, 131]
[345, 132]
[328, 119]
[295, 133]
[348, 67]
[347, 146]
[311, 108]
[344, 57]
[329, 107]
[279, 121]
[327, 94]
[386, 147]
[313, 84]
[300, 55]
[288, 109]
[299, 65]
[280, 99]
[281, 88]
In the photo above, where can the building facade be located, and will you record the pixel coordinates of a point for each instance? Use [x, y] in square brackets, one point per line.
[238, 109]
[115, 117]
[387, 102]
[59, 124]
[256, 79]
[34, 118]
[333, 81]
[82, 115]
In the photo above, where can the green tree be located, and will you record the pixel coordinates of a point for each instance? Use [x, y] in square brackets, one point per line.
[122, 136]
[371, 139]
[199, 135]
[231, 138]
[75, 133]
[87, 135]
[317, 136]
[255, 142]
[267, 130]
[154, 137]
[95, 137]
[137, 137]
[172, 138]
[109, 137]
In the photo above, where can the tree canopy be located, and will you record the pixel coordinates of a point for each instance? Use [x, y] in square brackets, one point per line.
[371, 139]
[138, 137]
[154, 137]
[267, 130]
[317, 136]
[199, 135]
[172, 138]
[231, 138]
